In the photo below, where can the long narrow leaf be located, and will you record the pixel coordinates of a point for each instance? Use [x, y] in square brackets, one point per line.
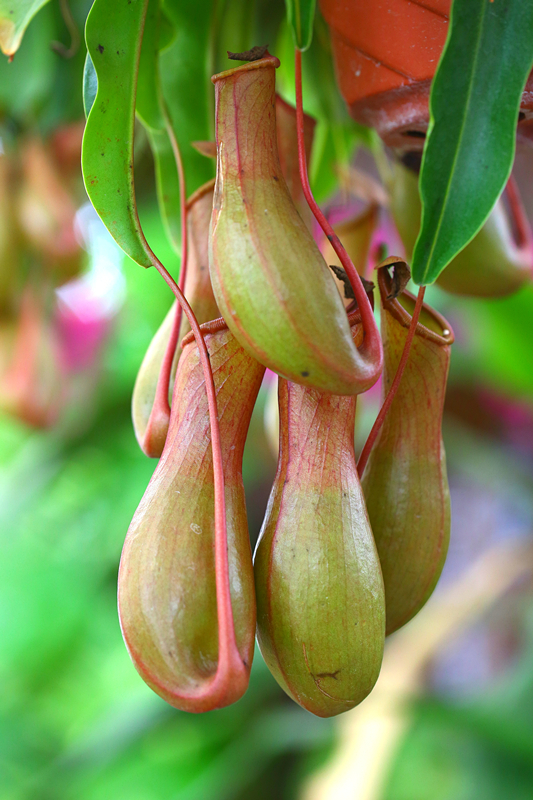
[114, 35]
[474, 106]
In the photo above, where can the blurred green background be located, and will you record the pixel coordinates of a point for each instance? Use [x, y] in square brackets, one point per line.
[452, 718]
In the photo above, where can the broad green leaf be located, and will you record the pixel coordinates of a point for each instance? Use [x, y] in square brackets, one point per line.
[301, 15]
[114, 35]
[15, 16]
[474, 106]
[90, 85]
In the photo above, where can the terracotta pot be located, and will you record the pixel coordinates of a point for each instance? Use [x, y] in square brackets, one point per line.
[386, 53]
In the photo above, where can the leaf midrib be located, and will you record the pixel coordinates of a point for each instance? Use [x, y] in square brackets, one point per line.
[457, 149]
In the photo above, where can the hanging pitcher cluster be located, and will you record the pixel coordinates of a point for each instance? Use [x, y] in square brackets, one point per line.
[340, 561]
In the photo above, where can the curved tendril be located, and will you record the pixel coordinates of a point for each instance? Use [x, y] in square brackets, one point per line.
[183, 215]
[363, 458]
[371, 346]
[161, 406]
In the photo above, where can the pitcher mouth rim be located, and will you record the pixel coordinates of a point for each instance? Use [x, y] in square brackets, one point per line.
[404, 317]
[266, 61]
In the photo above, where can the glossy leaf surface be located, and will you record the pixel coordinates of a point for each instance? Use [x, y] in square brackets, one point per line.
[474, 105]
[114, 35]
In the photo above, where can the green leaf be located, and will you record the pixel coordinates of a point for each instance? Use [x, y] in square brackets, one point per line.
[90, 85]
[148, 103]
[151, 114]
[301, 15]
[185, 39]
[25, 83]
[167, 33]
[114, 34]
[186, 83]
[474, 104]
[168, 189]
[15, 16]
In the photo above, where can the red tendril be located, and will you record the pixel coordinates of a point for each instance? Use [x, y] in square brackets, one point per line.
[371, 348]
[161, 405]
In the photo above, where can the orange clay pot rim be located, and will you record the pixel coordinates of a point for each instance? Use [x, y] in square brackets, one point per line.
[204, 189]
[267, 61]
[404, 318]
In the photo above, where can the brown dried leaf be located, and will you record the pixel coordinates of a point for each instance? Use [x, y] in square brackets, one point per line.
[254, 54]
[401, 275]
[348, 291]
